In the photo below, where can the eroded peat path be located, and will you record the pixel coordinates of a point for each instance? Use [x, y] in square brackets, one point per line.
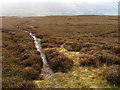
[47, 72]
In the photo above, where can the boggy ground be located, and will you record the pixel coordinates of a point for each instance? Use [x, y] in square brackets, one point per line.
[86, 40]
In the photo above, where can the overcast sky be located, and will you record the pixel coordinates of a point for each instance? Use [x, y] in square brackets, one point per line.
[63, 1]
[36, 7]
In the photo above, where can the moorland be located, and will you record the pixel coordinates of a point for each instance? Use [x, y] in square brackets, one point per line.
[81, 50]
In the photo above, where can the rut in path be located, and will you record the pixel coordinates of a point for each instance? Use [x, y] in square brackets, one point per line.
[46, 71]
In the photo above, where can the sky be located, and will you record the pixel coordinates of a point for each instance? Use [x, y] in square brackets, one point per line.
[62, 1]
[43, 7]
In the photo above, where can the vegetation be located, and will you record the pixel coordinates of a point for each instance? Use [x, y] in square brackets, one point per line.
[47, 45]
[16, 82]
[50, 42]
[30, 73]
[112, 74]
[89, 60]
[16, 50]
[57, 61]
[33, 59]
[99, 57]
[36, 67]
[91, 42]
[73, 46]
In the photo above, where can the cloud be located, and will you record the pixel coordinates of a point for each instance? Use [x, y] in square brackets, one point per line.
[62, 1]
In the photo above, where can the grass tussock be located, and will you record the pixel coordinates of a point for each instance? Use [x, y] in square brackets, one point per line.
[89, 60]
[33, 59]
[47, 45]
[50, 42]
[16, 82]
[116, 50]
[58, 62]
[73, 46]
[107, 58]
[96, 53]
[99, 57]
[30, 73]
[112, 74]
[36, 67]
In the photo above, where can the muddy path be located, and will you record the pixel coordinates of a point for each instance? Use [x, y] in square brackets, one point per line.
[46, 71]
